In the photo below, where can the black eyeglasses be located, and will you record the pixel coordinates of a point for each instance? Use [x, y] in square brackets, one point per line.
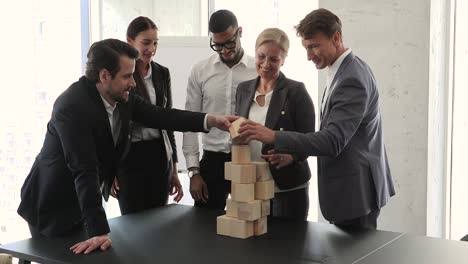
[228, 44]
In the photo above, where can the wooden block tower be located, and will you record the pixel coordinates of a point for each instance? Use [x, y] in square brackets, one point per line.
[252, 187]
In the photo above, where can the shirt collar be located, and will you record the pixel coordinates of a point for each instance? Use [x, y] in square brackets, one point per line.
[335, 66]
[267, 97]
[150, 71]
[109, 108]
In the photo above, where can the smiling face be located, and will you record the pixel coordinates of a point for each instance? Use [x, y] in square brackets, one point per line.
[146, 42]
[322, 50]
[227, 44]
[269, 58]
[117, 89]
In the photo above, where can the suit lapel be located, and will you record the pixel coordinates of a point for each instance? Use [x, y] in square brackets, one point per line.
[124, 126]
[249, 97]
[277, 102]
[101, 110]
[158, 83]
[332, 87]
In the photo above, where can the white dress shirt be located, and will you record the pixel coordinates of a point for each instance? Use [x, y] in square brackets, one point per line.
[110, 114]
[144, 133]
[211, 88]
[258, 114]
[331, 75]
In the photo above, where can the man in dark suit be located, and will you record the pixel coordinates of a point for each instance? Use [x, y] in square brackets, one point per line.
[86, 138]
[354, 179]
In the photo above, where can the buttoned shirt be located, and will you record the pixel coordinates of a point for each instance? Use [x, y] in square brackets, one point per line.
[110, 114]
[211, 88]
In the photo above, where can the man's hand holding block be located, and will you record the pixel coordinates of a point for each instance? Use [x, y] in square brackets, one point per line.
[234, 130]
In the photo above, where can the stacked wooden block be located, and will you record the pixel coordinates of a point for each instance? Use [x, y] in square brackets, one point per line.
[252, 187]
[5, 259]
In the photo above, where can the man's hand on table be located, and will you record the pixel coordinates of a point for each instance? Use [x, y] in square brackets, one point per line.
[102, 242]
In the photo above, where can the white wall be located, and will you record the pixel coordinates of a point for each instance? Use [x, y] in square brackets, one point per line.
[438, 128]
[459, 198]
[395, 39]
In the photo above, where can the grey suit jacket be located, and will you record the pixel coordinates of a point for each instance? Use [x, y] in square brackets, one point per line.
[291, 109]
[353, 172]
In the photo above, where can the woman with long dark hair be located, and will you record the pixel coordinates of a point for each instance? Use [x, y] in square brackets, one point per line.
[148, 174]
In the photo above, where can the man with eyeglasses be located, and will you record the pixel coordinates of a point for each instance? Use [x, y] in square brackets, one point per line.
[212, 88]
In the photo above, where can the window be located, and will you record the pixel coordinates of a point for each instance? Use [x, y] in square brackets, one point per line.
[191, 18]
[43, 52]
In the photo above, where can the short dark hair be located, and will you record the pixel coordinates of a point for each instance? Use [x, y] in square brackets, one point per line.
[105, 54]
[138, 25]
[320, 20]
[221, 20]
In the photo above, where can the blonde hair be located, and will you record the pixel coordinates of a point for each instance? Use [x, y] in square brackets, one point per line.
[274, 35]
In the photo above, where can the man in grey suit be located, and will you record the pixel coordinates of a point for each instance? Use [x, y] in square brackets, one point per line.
[354, 179]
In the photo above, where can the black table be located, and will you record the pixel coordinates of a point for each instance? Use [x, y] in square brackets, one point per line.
[409, 249]
[184, 234]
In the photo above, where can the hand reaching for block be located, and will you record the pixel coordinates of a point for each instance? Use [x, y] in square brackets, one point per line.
[234, 130]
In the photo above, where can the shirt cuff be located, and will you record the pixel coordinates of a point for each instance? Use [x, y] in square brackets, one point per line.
[205, 123]
[280, 146]
[192, 161]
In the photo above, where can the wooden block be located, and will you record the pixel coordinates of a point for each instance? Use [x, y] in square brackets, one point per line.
[6, 259]
[265, 207]
[242, 192]
[234, 128]
[240, 154]
[264, 190]
[227, 170]
[245, 211]
[262, 171]
[242, 173]
[233, 227]
[260, 226]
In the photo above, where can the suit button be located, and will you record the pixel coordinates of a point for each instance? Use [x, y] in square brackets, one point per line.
[282, 113]
[281, 129]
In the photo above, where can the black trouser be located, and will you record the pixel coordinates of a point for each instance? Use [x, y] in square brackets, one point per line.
[366, 221]
[212, 172]
[143, 180]
[291, 204]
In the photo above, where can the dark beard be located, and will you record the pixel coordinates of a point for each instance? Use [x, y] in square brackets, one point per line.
[234, 60]
[119, 99]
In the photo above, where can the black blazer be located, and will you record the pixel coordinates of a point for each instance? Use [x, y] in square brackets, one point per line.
[291, 109]
[161, 80]
[78, 158]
